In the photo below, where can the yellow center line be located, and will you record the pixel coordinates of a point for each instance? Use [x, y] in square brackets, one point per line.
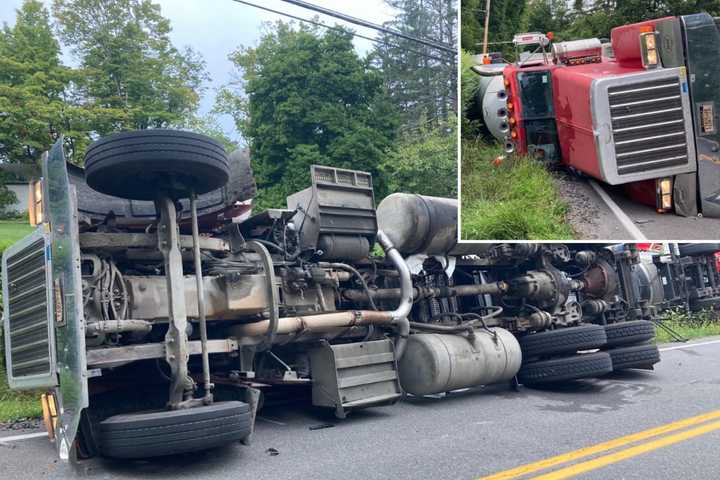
[605, 460]
[601, 447]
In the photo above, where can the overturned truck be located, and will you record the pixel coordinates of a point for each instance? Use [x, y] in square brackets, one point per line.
[156, 312]
[639, 111]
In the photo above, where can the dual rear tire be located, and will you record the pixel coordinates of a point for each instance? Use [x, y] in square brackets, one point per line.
[557, 355]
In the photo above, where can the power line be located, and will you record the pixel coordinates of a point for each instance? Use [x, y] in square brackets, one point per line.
[338, 29]
[358, 21]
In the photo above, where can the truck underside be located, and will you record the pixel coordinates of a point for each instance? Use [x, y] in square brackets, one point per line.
[159, 333]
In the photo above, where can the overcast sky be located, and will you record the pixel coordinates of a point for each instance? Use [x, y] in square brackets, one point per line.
[215, 28]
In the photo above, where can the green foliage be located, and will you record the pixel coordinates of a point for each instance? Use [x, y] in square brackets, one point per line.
[421, 81]
[469, 85]
[131, 76]
[306, 98]
[704, 323]
[424, 163]
[472, 18]
[597, 18]
[32, 86]
[507, 17]
[514, 200]
[16, 405]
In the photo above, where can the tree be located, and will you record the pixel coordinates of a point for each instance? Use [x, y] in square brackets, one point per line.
[132, 77]
[421, 80]
[472, 17]
[305, 98]
[425, 163]
[32, 86]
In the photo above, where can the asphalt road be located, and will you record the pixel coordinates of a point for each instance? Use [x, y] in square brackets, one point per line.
[593, 219]
[462, 436]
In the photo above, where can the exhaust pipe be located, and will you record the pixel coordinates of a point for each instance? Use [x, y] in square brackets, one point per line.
[329, 321]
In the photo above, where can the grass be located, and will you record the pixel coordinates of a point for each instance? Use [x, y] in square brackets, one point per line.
[14, 405]
[17, 405]
[705, 323]
[11, 231]
[513, 200]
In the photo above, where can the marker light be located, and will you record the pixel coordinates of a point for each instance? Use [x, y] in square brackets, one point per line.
[663, 189]
[35, 204]
[648, 48]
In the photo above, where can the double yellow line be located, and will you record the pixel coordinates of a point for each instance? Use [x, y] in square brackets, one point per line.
[599, 462]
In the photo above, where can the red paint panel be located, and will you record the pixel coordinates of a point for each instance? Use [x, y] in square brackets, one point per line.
[625, 41]
[572, 86]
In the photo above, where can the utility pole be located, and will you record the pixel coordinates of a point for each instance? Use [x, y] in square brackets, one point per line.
[487, 26]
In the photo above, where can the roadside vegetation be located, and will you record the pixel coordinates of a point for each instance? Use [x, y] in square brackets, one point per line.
[509, 199]
[503, 197]
[14, 405]
[705, 323]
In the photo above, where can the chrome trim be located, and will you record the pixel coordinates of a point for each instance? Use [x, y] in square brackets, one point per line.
[603, 132]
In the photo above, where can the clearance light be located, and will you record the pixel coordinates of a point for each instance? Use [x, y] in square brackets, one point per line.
[514, 134]
[50, 415]
[35, 204]
[663, 189]
[512, 121]
[648, 48]
[510, 106]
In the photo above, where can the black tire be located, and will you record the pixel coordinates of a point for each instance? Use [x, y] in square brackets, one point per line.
[638, 356]
[143, 435]
[698, 249]
[562, 340]
[136, 165]
[241, 185]
[587, 365]
[629, 333]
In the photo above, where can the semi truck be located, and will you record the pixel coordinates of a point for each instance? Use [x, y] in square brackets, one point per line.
[638, 111]
[155, 310]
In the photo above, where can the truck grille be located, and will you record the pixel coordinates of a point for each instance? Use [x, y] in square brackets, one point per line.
[648, 125]
[27, 312]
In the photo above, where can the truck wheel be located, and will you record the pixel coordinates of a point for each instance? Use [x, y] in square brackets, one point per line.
[586, 365]
[638, 356]
[241, 185]
[562, 340]
[136, 165]
[629, 333]
[152, 434]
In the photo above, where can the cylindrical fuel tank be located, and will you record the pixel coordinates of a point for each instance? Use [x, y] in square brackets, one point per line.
[494, 106]
[588, 49]
[422, 224]
[435, 363]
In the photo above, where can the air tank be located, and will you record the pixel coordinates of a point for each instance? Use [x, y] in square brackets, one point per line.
[435, 363]
[419, 224]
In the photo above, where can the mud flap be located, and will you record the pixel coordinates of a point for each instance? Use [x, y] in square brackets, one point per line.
[685, 194]
[61, 212]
